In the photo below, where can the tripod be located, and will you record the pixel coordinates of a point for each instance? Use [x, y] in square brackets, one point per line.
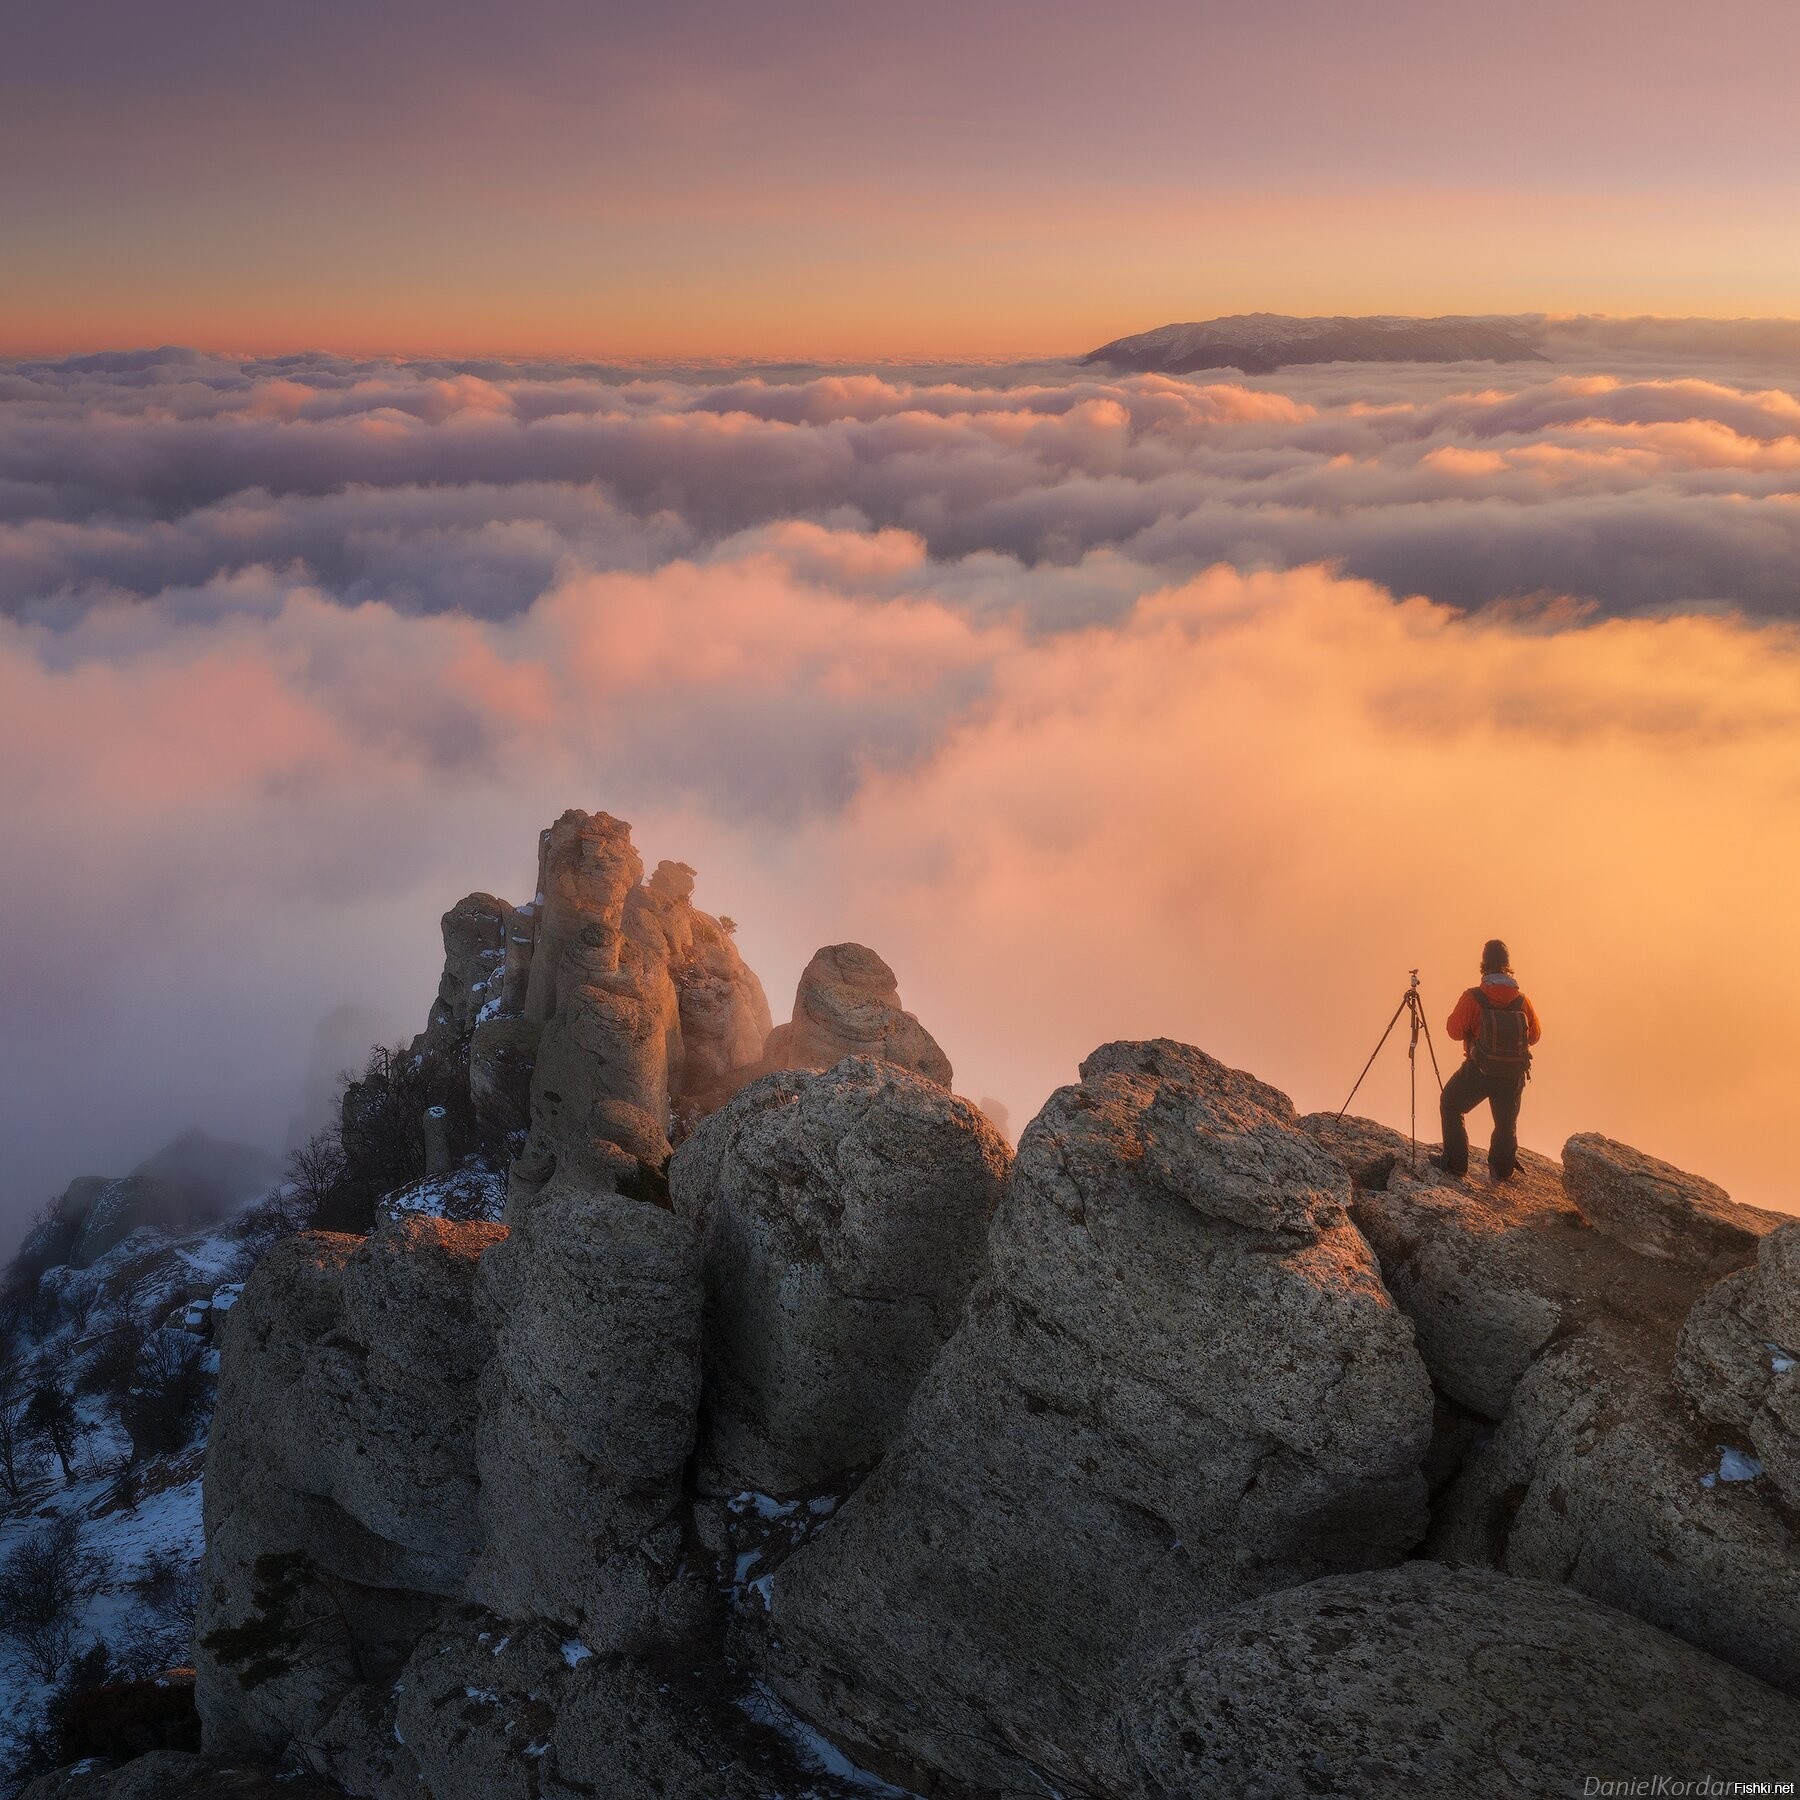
[1409, 1003]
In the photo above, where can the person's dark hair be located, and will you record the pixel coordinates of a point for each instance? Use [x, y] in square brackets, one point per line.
[1495, 958]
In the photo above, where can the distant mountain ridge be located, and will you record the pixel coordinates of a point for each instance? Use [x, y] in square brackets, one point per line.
[1260, 343]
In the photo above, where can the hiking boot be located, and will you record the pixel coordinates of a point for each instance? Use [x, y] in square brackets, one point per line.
[1437, 1162]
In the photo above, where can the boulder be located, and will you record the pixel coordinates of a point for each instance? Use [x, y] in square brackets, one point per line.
[1658, 1210]
[588, 1415]
[1490, 1272]
[1601, 1478]
[488, 1709]
[1425, 1680]
[1738, 1358]
[1181, 1385]
[843, 1219]
[848, 1004]
[344, 1430]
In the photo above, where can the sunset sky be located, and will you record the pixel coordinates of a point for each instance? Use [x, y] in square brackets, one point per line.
[699, 178]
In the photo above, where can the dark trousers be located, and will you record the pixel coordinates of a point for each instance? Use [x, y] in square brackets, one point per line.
[1463, 1092]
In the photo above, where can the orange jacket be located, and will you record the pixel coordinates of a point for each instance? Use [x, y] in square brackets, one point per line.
[1501, 990]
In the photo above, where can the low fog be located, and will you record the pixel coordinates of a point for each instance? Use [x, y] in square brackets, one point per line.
[1100, 707]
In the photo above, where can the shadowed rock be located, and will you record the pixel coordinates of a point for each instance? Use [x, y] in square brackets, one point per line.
[843, 1219]
[1738, 1358]
[344, 1429]
[1425, 1680]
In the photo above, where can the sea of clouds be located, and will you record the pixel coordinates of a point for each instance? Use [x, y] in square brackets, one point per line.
[1100, 705]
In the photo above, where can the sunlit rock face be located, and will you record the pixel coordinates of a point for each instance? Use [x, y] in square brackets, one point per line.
[848, 1004]
[843, 1218]
[1658, 1210]
[1181, 1384]
[1430, 1680]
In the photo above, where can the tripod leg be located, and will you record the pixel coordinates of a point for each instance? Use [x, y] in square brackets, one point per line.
[1395, 1020]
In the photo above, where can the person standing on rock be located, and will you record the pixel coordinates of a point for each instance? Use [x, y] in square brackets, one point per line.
[1497, 1026]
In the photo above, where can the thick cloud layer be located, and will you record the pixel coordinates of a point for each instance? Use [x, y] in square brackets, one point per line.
[1099, 706]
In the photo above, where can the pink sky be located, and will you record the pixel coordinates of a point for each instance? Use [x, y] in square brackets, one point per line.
[805, 180]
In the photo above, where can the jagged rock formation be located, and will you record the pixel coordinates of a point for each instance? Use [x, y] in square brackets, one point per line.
[1431, 1681]
[848, 1004]
[1658, 1210]
[597, 1016]
[1181, 1385]
[1738, 1355]
[843, 1218]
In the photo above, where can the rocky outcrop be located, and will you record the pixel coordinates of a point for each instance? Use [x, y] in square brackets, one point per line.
[476, 930]
[1555, 1340]
[1181, 1385]
[1738, 1357]
[848, 1004]
[843, 1219]
[1658, 1210]
[588, 1416]
[1490, 1272]
[344, 1432]
[724, 1015]
[599, 1014]
[1425, 1680]
[488, 1709]
[1601, 1478]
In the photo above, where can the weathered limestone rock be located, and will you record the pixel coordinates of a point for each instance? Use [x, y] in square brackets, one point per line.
[1658, 1210]
[1431, 1681]
[586, 867]
[588, 1415]
[499, 1710]
[476, 930]
[848, 1004]
[502, 1056]
[1601, 1478]
[723, 1013]
[1182, 1385]
[344, 1429]
[1490, 1272]
[843, 1219]
[1738, 1358]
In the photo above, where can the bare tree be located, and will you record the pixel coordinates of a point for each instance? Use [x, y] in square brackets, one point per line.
[168, 1388]
[43, 1579]
[50, 1414]
[13, 1391]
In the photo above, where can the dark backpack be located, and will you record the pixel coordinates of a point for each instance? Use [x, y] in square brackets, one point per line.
[1502, 1037]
